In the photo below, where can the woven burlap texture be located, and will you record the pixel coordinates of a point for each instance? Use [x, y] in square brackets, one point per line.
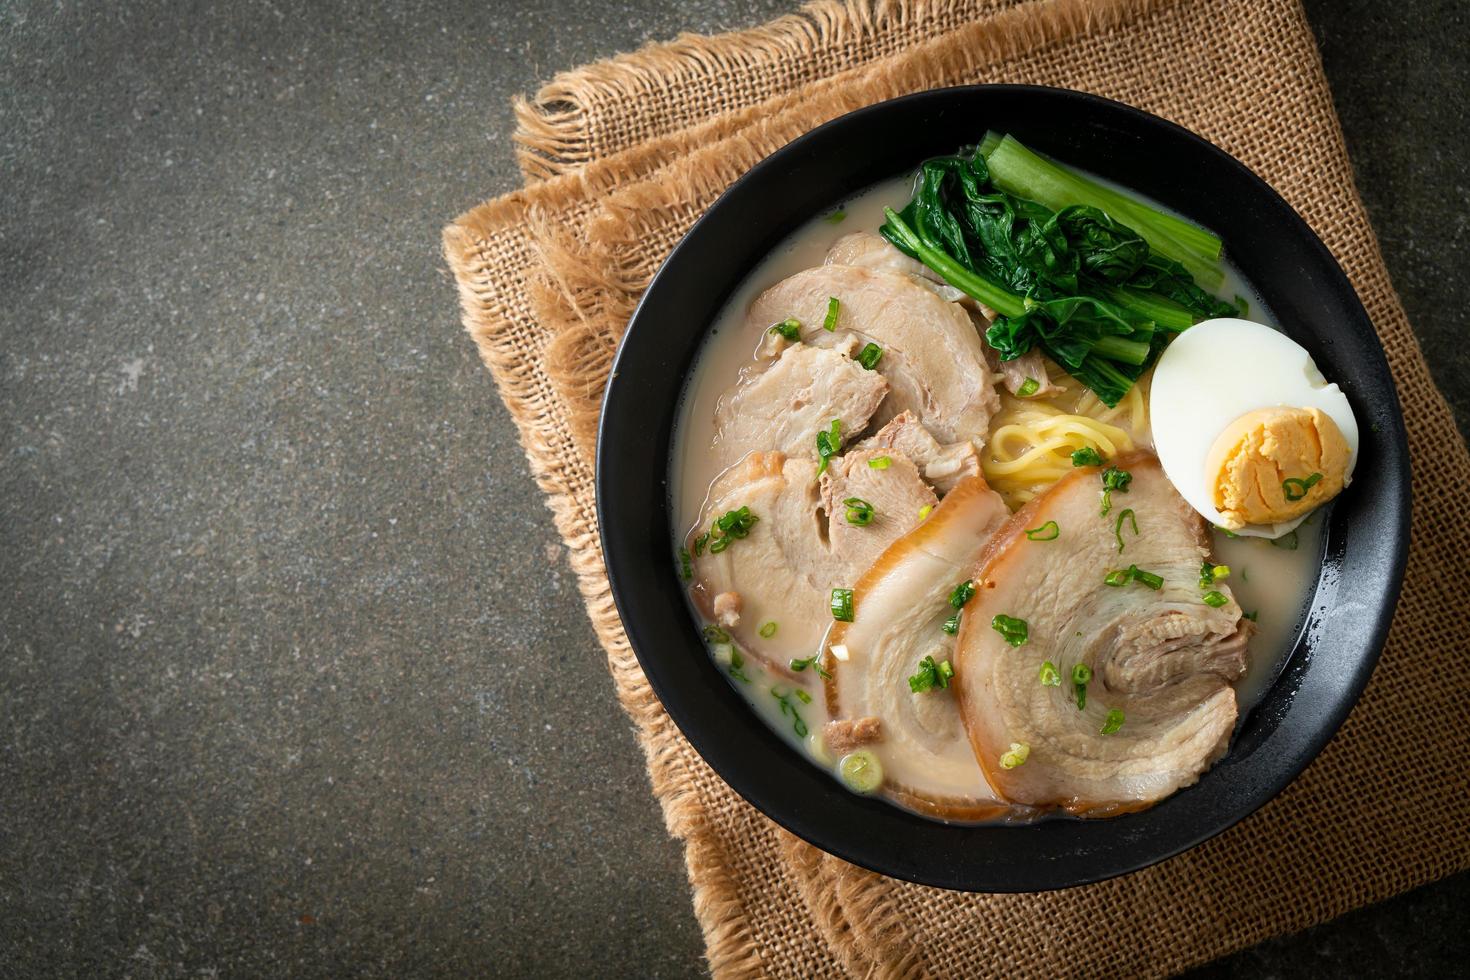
[621, 158]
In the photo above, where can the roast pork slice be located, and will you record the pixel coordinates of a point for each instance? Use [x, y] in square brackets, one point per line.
[942, 466]
[867, 250]
[1161, 659]
[900, 606]
[796, 551]
[933, 357]
[895, 493]
[786, 405]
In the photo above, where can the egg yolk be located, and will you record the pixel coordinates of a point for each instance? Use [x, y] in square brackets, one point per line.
[1276, 464]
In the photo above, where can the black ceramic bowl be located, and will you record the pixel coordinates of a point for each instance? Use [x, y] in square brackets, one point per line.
[1367, 529]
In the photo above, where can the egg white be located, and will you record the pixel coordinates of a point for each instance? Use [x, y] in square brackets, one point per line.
[1211, 375]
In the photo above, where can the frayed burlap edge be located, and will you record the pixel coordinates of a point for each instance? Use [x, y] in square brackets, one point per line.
[558, 130]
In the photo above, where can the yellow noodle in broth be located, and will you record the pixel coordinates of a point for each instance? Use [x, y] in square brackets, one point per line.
[1032, 439]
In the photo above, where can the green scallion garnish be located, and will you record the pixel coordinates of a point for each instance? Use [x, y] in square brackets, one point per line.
[1210, 574]
[713, 633]
[962, 594]
[699, 544]
[1014, 631]
[861, 771]
[814, 662]
[1081, 676]
[1118, 528]
[931, 675]
[842, 605]
[1046, 532]
[1226, 531]
[768, 630]
[859, 511]
[685, 572]
[787, 708]
[924, 511]
[733, 526]
[835, 218]
[1086, 456]
[1295, 489]
[1113, 479]
[802, 696]
[790, 328]
[1121, 577]
[1134, 574]
[870, 355]
[879, 463]
[1028, 388]
[1215, 599]
[1017, 756]
[1112, 722]
[830, 323]
[1048, 675]
[1251, 615]
[952, 624]
[829, 444]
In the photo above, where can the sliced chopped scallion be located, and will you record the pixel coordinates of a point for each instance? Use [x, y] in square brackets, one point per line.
[790, 328]
[870, 355]
[1086, 456]
[685, 571]
[1120, 577]
[1028, 388]
[768, 630]
[1149, 579]
[714, 633]
[1017, 755]
[925, 510]
[1081, 676]
[962, 593]
[952, 624]
[1112, 722]
[1113, 479]
[1014, 631]
[1049, 675]
[699, 544]
[835, 218]
[1215, 600]
[859, 511]
[1210, 574]
[833, 307]
[802, 696]
[842, 605]
[1046, 532]
[787, 708]
[814, 662]
[829, 444]
[1127, 515]
[879, 463]
[1295, 489]
[733, 526]
[861, 771]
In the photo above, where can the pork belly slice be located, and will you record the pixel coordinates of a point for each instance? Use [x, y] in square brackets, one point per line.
[1162, 657]
[800, 547]
[933, 357]
[897, 495]
[900, 605]
[783, 407]
[943, 466]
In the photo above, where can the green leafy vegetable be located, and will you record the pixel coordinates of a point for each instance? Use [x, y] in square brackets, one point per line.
[814, 662]
[1080, 271]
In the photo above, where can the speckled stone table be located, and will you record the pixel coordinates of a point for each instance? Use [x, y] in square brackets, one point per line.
[294, 678]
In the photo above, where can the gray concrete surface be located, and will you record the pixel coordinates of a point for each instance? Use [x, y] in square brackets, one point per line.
[294, 679]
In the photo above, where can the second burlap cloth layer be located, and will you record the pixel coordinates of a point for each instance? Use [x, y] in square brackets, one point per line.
[621, 157]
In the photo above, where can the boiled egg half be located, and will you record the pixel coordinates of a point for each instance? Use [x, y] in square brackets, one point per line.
[1247, 429]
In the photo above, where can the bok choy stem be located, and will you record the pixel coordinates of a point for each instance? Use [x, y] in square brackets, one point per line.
[1017, 170]
[970, 283]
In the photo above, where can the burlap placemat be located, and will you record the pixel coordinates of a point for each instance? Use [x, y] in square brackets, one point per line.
[621, 157]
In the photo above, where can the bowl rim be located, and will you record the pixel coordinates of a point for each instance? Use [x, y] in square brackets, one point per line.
[1111, 847]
